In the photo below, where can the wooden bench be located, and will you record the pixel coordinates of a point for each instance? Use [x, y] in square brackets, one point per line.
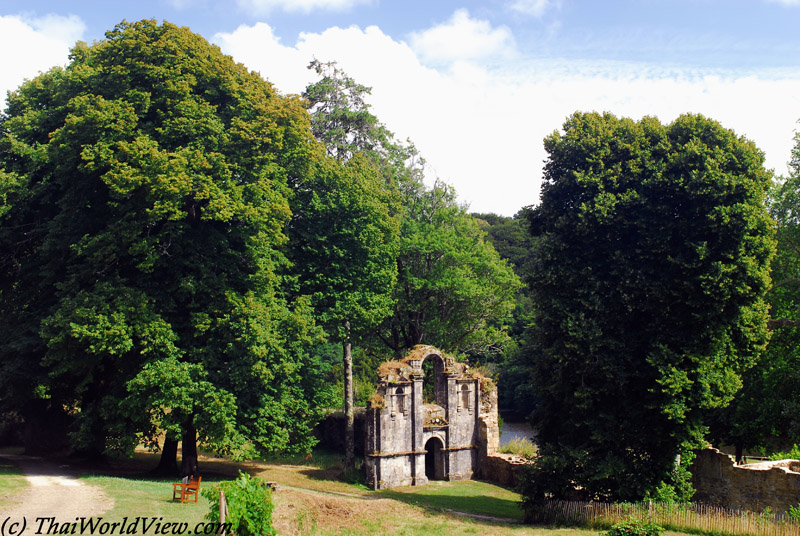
[185, 491]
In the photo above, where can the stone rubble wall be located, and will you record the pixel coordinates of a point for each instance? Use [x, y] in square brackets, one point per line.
[503, 469]
[488, 427]
[493, 466]
[720, 482]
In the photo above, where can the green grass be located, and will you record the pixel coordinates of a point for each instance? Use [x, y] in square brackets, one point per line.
[12, 483]
[465, 496]
[521, 446]
[147, 498]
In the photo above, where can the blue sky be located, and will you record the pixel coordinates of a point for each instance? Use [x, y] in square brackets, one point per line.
[478, 84]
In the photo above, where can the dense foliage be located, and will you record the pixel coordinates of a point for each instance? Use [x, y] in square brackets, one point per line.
[249, 505]
[652, 261]
[453, 289]
[765, 414]
[512, 239]
[145, 195]
[635, 527]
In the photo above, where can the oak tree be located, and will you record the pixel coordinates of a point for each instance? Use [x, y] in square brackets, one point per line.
[145, 196]
[653, 258]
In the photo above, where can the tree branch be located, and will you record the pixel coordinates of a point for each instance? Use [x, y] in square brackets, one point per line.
[781, 322]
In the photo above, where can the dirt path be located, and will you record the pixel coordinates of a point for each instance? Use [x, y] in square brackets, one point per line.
[54, 491]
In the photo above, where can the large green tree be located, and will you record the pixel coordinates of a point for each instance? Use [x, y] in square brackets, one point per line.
[344, 236]
[512, 240]
[652, 262]
[453, 289]
[344, 230]
[766, 412]
[145, 196]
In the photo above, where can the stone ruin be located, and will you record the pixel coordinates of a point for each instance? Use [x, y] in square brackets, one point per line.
[720, 482]
[409, 442]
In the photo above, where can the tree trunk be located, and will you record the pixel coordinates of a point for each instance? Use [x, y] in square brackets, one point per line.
[349, 427]
[189, 451]
[168, 465]
[739, 452]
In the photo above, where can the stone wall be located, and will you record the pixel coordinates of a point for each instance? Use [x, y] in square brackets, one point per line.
[488, 426]
[503, 469]
[719, 481]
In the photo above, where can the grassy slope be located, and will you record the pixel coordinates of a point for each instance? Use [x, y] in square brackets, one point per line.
[311, 501]
[150, 498]
[12, 483]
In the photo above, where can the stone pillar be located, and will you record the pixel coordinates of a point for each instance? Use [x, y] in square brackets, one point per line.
[417, 415]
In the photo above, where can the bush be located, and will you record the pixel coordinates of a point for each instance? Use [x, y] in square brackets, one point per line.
[635, 527]
[249, 502]
[521, 446]
[794, 512]
[793, 454]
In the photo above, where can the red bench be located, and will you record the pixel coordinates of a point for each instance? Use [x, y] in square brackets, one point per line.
[186, 491]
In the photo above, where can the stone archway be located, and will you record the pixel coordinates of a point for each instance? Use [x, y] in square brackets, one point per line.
[434, 459]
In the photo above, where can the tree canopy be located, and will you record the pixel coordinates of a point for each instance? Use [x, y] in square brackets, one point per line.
[145, 195]
[453, 289]
[648, 283]
[766, 412]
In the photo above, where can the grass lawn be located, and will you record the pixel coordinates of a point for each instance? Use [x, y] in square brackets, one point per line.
[466, 496]
[12, 483]
[298, 512]
[311, 500]
[147, 498]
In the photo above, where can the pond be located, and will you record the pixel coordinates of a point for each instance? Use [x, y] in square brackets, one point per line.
[513, 430]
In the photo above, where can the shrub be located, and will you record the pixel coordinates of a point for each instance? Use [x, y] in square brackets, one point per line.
[521, 446]
[794, 512]
[249, 502]
[793, 454]
[635, 527]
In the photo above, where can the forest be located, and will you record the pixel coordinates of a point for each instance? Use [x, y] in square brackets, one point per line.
[187, 254]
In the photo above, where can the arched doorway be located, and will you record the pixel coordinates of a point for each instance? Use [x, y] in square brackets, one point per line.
[434, 459]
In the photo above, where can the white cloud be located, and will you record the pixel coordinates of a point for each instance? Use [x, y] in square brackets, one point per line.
[462, 38]
[181, 4]
[33, 45]
[537, 8]
[262, 7]
[481, 128]
[257, 47]
[65, 29]
[786, 2]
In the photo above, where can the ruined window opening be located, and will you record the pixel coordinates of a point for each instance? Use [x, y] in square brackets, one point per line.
[401, 400]
[428, 382]
[465, 397]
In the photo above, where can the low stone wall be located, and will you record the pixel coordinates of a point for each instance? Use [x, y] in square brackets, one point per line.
[719, 481]
[503, 469]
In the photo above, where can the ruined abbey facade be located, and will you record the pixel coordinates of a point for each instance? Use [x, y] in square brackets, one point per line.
[409, 441]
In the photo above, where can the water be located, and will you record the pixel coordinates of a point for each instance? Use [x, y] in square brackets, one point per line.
[513, 430]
